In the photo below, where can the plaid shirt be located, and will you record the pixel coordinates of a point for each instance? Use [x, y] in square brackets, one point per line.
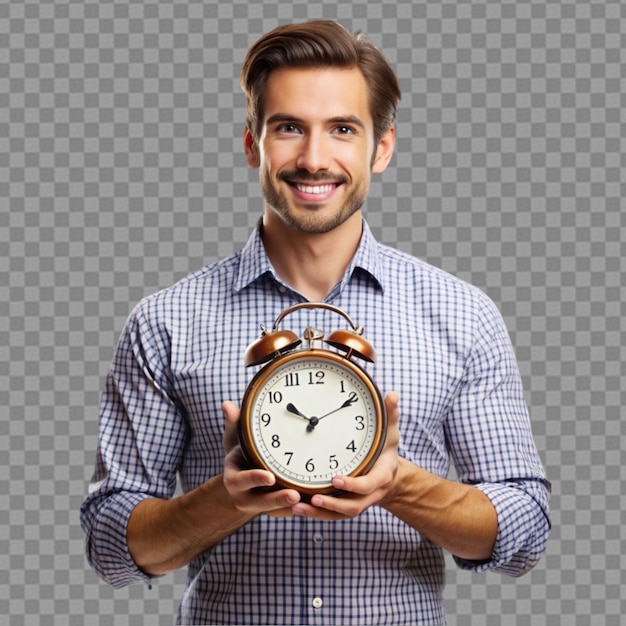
[441, 344]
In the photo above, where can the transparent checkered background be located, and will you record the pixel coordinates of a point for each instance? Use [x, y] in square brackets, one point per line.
[121, 169]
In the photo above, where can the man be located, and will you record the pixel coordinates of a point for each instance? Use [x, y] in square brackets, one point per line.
[321, 111]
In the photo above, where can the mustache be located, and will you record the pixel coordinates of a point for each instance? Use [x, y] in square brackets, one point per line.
[304, 177]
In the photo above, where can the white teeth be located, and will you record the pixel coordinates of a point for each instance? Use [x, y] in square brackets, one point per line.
[315, 190]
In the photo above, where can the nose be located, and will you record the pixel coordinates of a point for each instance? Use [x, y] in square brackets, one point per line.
[314, 153]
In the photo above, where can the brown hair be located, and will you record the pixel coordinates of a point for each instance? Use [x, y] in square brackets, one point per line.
[320, 43]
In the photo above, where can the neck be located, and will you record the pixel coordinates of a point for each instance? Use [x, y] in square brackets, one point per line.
[311, 264]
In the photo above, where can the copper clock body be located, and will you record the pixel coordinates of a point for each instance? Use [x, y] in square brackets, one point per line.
[310, 415]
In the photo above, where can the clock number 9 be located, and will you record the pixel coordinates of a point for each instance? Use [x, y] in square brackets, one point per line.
[266, 419]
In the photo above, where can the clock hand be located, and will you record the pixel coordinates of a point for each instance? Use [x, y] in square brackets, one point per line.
[352, 398]
[314, 421]
[292, 409]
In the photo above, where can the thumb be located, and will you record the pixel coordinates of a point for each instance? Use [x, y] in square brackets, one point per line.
[392, 399]
[231, 418]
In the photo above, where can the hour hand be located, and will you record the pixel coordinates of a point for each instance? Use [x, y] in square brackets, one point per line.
[292, 409]
[312, 421]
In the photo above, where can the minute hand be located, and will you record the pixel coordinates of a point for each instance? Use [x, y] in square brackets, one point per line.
[352, 398]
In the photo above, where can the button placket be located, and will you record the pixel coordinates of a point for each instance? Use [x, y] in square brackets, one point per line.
[317, 540]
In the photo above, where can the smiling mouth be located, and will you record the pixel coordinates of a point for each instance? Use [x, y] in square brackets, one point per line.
[315, 190]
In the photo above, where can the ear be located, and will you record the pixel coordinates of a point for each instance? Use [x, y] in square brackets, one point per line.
[251, 149]
[384, 151]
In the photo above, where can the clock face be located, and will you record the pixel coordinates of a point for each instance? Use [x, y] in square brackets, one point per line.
[309, 417]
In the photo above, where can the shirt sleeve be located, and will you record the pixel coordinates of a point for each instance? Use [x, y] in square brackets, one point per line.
[523, 527]
[492, 447]
[142, 434]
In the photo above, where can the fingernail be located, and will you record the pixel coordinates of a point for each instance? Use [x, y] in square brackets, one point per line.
[338, 482]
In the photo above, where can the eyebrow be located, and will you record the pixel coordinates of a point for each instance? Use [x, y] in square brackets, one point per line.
[351, 120]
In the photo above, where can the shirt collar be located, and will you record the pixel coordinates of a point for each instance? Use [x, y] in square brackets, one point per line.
[254, 262]
[367, 259]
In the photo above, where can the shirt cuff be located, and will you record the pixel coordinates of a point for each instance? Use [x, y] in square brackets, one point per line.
[107, 547]
[523, 529]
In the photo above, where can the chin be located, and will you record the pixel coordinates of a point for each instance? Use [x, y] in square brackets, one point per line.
[316, 225]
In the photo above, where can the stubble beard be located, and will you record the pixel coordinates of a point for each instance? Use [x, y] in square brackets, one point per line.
[314, 221]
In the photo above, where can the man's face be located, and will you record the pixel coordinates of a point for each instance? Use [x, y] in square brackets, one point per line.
[316, 147]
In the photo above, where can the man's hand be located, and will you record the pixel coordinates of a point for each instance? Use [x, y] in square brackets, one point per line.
[251, 490]
[361, 492]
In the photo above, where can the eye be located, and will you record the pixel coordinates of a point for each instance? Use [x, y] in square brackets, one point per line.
[288, 128]
[344, 130]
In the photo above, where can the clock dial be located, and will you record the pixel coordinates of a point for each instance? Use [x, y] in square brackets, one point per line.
[313, 417]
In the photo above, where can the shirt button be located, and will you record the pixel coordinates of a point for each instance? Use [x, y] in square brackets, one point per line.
[318, 539]
[317, 603]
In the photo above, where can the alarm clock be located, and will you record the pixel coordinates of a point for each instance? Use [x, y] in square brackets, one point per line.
[311, 413]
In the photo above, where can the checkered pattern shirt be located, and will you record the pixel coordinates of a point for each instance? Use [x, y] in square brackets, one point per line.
[441, 344]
